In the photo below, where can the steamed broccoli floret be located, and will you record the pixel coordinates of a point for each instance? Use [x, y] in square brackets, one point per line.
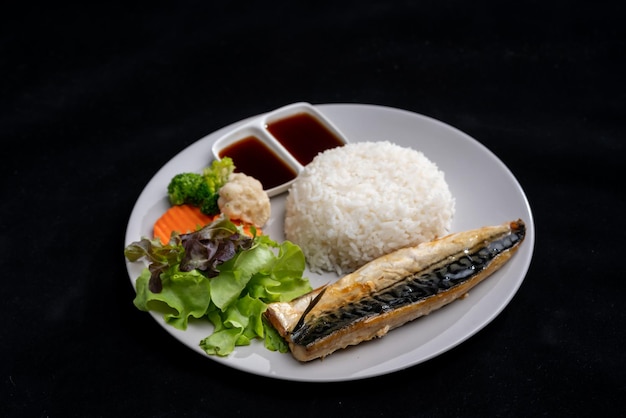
[187, 188]
[217, 175]
[201, 190]
[209, 205]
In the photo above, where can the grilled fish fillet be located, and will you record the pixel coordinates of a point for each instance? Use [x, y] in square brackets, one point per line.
[392, 290]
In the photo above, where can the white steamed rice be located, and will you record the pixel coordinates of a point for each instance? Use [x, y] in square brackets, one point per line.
[357, 202]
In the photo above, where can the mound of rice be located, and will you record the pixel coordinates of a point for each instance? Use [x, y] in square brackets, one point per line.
[357, 202]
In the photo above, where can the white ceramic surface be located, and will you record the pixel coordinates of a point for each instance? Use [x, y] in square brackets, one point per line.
[486, 193]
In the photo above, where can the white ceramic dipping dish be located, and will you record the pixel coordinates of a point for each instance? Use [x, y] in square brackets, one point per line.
[258, 128]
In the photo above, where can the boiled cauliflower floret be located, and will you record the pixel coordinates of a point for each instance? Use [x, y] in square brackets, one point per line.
[243, 197]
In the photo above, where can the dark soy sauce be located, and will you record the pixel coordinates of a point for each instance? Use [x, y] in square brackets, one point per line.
[255, 159]
[304, 136]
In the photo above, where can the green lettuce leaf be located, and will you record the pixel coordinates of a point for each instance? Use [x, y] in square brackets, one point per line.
[235, 274]
[234, 300]
[237, 326]
[184, 295]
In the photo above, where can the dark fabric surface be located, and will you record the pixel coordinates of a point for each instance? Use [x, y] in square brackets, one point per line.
[96, 97]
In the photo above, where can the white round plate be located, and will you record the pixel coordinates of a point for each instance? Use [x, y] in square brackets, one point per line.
[486, 193]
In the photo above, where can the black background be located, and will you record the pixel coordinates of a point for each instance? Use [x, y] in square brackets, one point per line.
[96, 96]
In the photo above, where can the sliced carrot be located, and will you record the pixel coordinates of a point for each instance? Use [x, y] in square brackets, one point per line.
[185, 219]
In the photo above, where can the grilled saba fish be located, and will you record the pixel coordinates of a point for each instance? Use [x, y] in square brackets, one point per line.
[392, 290]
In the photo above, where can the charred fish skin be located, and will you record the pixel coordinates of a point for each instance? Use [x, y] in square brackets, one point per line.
[377, 298]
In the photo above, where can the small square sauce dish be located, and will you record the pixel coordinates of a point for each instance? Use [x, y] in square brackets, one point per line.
[255, 153]
[275, 147]
[303, 131]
